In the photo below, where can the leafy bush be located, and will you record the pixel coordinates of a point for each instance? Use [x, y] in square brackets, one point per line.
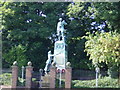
[21, 81]
[5, 79]
[105, 82]
[113, 71]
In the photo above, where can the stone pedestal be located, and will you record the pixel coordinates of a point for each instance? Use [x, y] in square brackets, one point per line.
[14, 76]
[52, 77]
[68, 77]
[29, 70]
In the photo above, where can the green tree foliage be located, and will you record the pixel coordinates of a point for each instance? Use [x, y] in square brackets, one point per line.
[80, 23]
[104, 48]
[106, 13]
[16, 53]
[83, 17]
[109, 13]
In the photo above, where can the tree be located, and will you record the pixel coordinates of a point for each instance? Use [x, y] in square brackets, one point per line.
[80, 23]
[108, 13]
[104, 47]
[16, 53]
[104, 14]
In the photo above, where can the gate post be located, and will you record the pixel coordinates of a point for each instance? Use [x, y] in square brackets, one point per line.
[14, 74]
[68, 76]
[52, 76]
[29, 70]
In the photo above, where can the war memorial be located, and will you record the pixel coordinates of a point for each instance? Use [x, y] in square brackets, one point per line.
[57, 66]
[57, 69]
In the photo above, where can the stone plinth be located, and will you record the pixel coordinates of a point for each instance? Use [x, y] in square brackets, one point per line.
[68, 75]
[14, 76]
[29, 70]
[52, 77]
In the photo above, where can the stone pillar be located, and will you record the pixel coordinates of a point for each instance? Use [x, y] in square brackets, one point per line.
[68, 77]
[52, 77]
[29, 70]
[14, 75]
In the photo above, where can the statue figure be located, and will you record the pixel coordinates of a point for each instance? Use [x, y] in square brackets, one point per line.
[60, 27]
[48, 62]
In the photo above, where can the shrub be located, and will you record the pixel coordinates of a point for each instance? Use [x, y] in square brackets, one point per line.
[5, 79]
[105, 82]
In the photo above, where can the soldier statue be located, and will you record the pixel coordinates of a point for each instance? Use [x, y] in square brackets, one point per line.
[60, 28]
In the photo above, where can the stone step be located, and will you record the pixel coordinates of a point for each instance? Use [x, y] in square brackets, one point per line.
[45, 84]
[46, 79]
[45, 87]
